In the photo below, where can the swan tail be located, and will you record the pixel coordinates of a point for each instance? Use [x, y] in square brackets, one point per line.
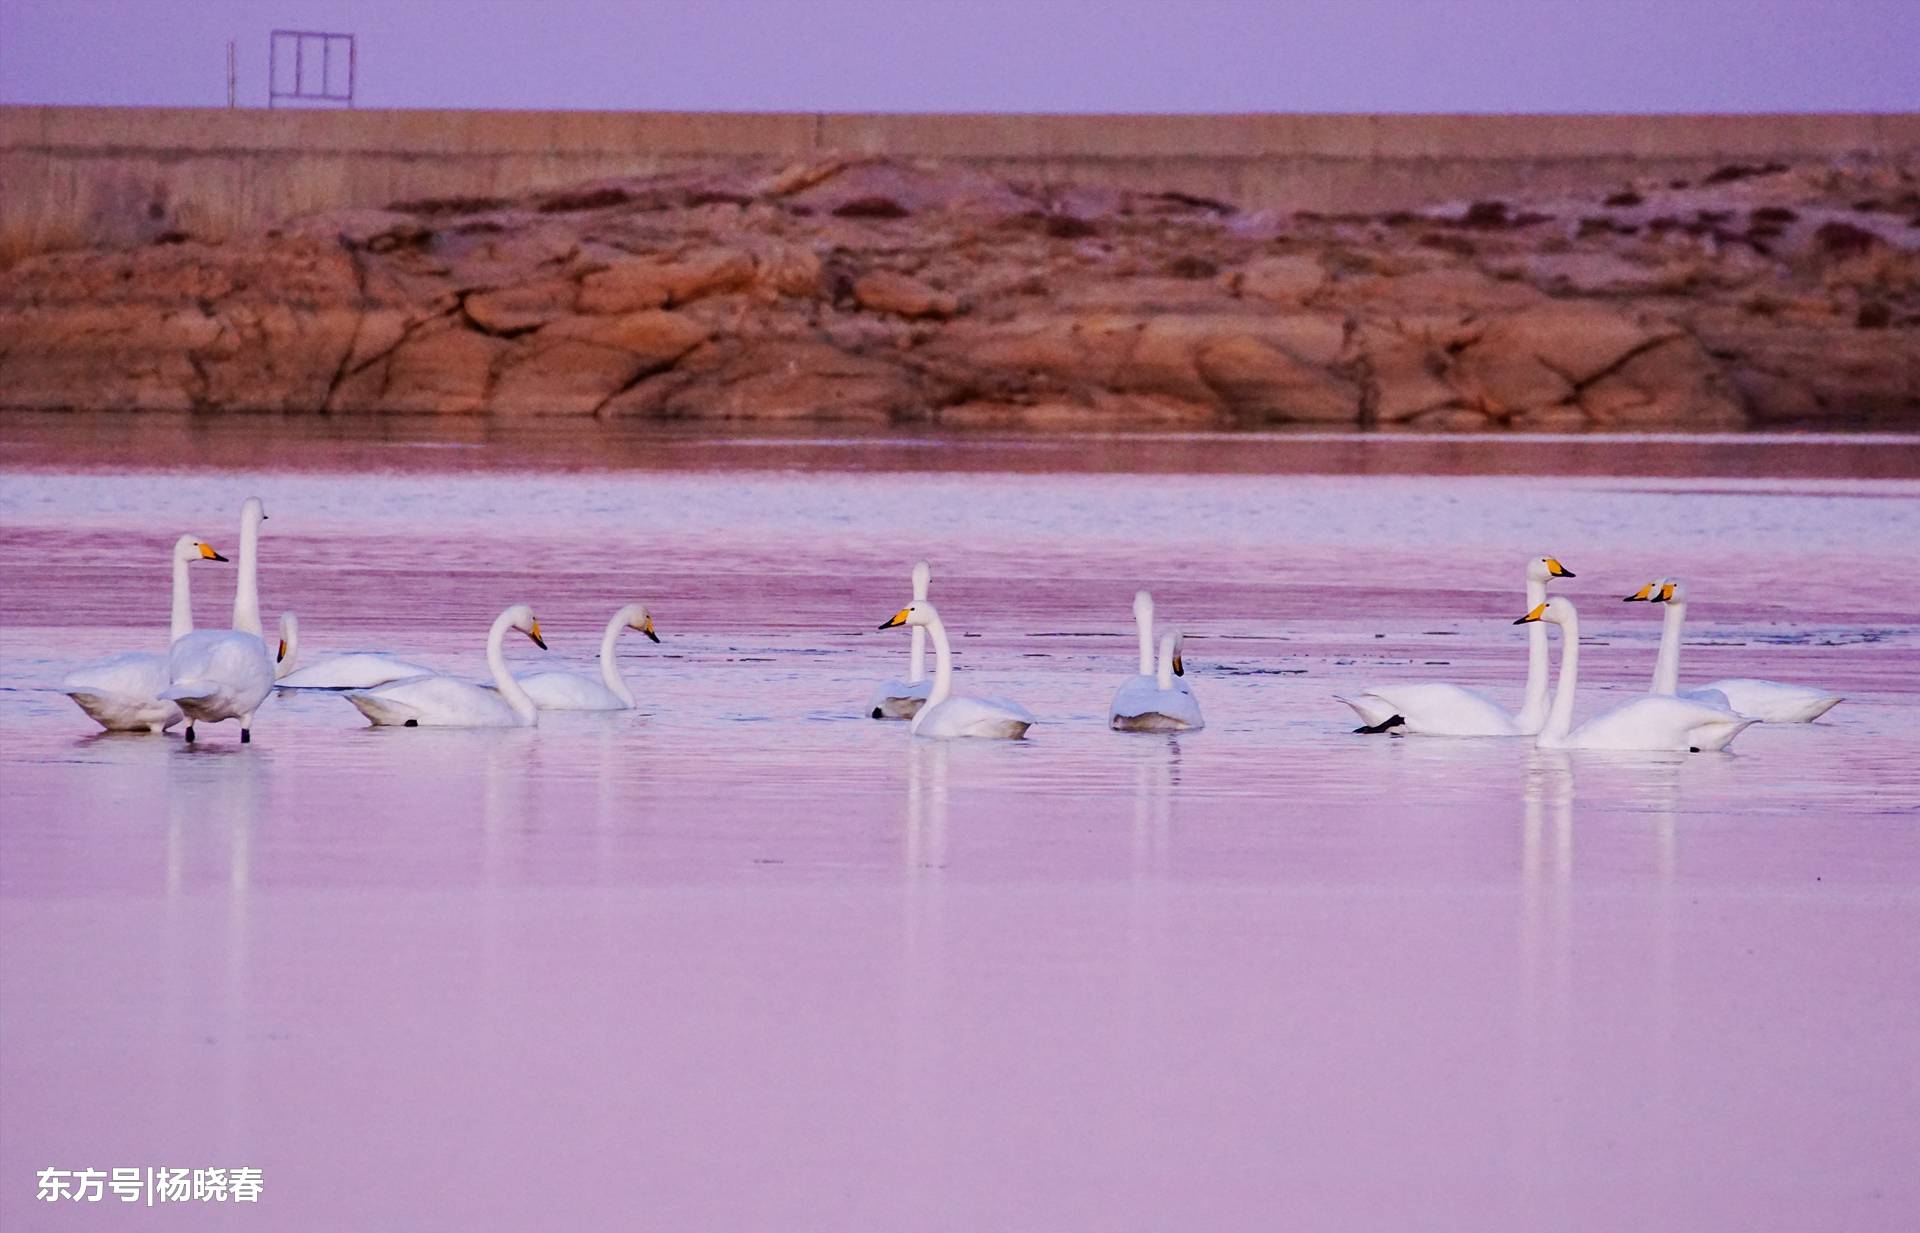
[380, 710]
[1820, 708]
[1372, 710]
[1717, 736]
[190, 690]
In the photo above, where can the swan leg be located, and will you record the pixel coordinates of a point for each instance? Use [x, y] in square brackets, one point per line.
[189, 734]
[1391, 721]
[246, 728]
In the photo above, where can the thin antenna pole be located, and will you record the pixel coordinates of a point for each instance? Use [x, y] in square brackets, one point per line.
[233, 76]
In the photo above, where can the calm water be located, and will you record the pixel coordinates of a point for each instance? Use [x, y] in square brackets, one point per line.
[745, 960]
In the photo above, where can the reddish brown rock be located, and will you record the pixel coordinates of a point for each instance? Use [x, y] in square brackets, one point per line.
[877, 291]
[884, 291]
[515, 310]
[640, 283]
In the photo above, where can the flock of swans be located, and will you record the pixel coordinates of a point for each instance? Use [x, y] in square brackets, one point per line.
[208, 676]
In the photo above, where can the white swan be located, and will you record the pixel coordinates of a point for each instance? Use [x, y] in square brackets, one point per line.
[945, 715]
[1137, 692]
[122, 694]
[444, 702]
[569, 691]
[1769, 701]
[1171, 707]
[898, 699]
[1439, 709]
[219, 674]
[1649, 722]
[355, 671]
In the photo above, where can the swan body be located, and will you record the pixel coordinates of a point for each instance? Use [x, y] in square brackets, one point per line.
[1170, 707]
[353, 671]
[946, 715]
[220, 674]
[122, 693]
[569, 691]
[1433, 709]
[1769, 701]
[1438, 709]
[902, 699]
[1649, 722]
[445, 702]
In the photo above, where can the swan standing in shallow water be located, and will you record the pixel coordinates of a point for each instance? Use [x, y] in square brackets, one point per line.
[900, 699]
[1649, 722]
[445, 702]
[945, 715]
[1437, 709]
[569, 691]
[355, 671]
[219, 674]
[122, 694]
[1769, 701]
[1170, 707]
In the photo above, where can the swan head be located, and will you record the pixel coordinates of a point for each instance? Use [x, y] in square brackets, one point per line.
[1143, 606]
[253, 510]
[192, 548]
[1659, 591]
[521, 617]
[922, 576]
[636, 616]
[289, 638]
[919, 612]
[1554, 611]
[1542, 568]
[1170, 650]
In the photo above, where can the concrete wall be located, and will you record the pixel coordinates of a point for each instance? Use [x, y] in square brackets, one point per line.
[73, 175]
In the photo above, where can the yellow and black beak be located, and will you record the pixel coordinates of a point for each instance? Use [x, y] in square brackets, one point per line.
[1538, 610]
[1178, 668]
[1643, 595]
[533, 632]
[1557, 570]
[208, 554]
[1666, 594]
[898, 618]
[646, 627]
[281, 658]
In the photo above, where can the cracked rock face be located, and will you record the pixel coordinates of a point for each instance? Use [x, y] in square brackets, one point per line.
[883, 292]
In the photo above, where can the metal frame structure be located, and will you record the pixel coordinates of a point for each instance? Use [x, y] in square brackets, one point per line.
[303, 91]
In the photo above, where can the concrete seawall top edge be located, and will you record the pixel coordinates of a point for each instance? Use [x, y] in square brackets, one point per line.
[736, 134]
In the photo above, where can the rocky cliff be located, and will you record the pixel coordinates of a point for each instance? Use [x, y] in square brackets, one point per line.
[885, 292]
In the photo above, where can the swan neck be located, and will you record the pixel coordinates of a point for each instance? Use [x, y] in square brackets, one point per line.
[290, 632]
[1666, 668]
[1164, 673]
[1533, 703]
[942, 665]
[1560, 719]
[917, 665]
[609, 662]
[182, 623]
[503, 679]
[246, 591]
[1143, 621]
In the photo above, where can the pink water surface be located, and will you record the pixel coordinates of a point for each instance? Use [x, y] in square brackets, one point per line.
[743, 959]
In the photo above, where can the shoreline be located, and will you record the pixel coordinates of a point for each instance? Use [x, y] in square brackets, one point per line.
[134, 441]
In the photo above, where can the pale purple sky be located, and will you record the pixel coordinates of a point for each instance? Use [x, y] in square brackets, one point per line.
[997, 55]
